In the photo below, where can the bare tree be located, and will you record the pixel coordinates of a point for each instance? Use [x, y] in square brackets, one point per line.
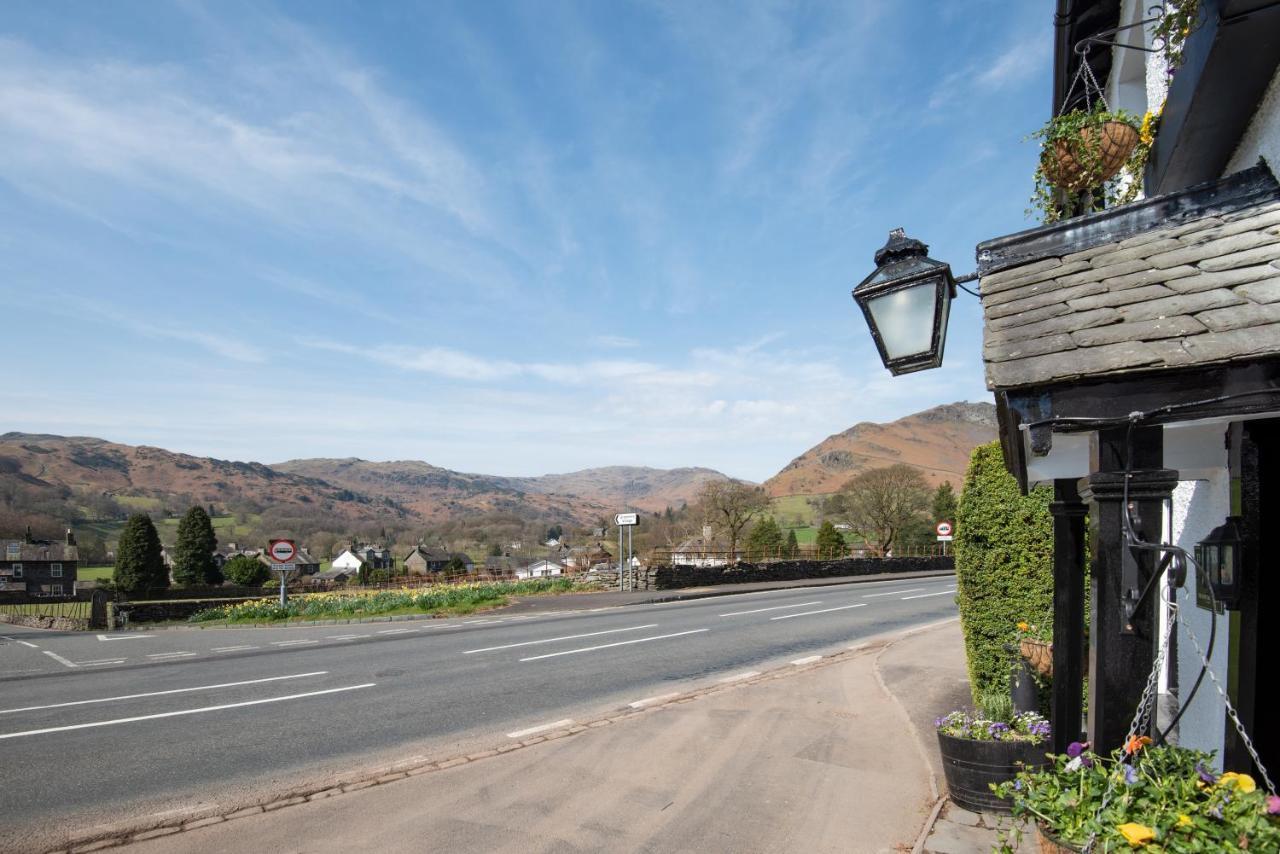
[730, 505]
[881, 503]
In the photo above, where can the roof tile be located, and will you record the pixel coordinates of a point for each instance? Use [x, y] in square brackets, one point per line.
[1223, 279]
[1238, 316]
[1180, 304]
[1143, 330]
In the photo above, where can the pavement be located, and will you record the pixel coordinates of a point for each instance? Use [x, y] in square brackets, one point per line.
[752, 707]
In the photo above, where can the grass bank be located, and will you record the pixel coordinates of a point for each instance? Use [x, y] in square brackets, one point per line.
[437, 599]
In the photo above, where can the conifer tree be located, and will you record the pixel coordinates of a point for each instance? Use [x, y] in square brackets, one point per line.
[193, 561]
[139, 565]
[830, 542]
[792, 548]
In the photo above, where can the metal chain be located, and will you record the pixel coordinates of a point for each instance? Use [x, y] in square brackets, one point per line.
[1231, 711]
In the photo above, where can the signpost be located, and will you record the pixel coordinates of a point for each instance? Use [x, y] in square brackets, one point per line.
[944, 535]
[281, 554]
[625, 521]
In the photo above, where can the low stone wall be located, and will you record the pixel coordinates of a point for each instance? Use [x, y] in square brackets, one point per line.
[159, 612]
[676, 577]
[63, 624]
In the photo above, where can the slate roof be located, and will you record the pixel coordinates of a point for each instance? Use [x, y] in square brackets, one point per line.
[15, 550]
[1188, 291]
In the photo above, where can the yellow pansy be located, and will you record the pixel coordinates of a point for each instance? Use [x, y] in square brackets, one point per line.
[1184, 820]
[1242, 782]
[1136, 834]
[1023, 626]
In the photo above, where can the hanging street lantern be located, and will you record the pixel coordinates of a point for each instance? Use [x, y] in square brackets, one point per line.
[1218, 562]
[906, 302]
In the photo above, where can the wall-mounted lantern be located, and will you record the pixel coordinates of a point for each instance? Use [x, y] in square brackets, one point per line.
[906, 302]
[1218, 562]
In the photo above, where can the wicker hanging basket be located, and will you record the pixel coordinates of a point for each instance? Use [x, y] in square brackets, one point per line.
[1093, 157]
[1039, 654]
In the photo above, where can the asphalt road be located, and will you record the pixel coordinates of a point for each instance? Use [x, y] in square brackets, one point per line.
[94, 727]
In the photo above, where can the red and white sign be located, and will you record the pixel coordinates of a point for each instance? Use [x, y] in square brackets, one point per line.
[944, 530]
[282, 551]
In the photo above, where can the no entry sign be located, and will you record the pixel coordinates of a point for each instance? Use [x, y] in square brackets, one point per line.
[282, 551]
[944, 531]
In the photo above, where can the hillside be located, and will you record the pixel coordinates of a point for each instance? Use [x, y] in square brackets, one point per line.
[937, 441]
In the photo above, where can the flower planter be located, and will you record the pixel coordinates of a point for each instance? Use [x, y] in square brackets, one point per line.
[1039, 654]
[971, 766]
[1093, 157]
[1050, 844]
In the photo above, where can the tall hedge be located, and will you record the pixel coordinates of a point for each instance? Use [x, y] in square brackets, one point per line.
[1004, 565]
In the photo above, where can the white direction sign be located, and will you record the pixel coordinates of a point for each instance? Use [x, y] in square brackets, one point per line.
[282, 551]
[944, 531]
[624, 520]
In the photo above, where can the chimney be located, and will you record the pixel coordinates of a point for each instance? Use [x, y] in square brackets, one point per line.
[71, 537]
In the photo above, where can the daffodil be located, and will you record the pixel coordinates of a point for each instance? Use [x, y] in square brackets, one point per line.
[1136, 834]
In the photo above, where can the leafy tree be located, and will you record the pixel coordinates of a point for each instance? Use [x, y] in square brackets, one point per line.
[554, 532]
[193, 561]
[245, 571]
[943, 507]
[882, 503]
[139, 565]
[792, 547]
[765, 539]
[730, 505]
[495, 550]
[830, 541]
[455, 566]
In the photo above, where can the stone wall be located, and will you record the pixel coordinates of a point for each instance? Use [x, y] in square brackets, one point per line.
[675, 577]
[64, 624]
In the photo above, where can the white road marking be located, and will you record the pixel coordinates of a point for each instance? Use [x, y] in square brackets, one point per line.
[395, 631]
[164, 693]
[738, 677]
[893, 592]
[124, 637]
[650, 701]
[562, 638]
[201, 710]
[607, 645]
[924, 595]
[233, 648]
[292, 643]
[807, 660]
[170, 655]
[15, 640]
[98, 661]
[521, 733]
[345, 637]
[59, 658]
[774, 608]
[822, 611]
[482, 622]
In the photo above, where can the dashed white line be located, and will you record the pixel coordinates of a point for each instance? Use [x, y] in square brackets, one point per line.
[809, 659]
[653, 701]
[170, 655]
[774, 608]
[292, 642]
[608, 645]
[738, 677]
[893, 592]
[165, 693]
[521, 733]
[395, 631]
[345, 637]
[201, 710]
[98, 661]
[15, 640]
[482, 622]
[233, 648]
[562, 638]
[925, 595]
[821, 611]
[59, 658]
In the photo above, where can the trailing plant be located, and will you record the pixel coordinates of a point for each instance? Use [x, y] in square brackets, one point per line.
[1171, 31]
[1083, 151]
[1158, 798]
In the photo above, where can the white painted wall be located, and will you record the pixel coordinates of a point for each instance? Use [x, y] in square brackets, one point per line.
[1262, 138]
[347, 561]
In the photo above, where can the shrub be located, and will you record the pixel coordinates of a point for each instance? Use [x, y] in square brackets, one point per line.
[1004, 565]
[245, 571]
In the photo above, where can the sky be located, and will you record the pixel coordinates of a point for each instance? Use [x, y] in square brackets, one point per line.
[502, 237]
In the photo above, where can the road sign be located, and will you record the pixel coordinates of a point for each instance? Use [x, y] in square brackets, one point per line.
[944, 531]
[283, 567]
[282, 551]
[625, 520]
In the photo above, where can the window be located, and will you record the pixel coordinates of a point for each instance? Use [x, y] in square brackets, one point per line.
[55, 570]
[17, 570]
[56, 589]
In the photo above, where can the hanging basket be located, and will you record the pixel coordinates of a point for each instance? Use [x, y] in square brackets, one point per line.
[1091, 158]
[1050, 844]
[1039, 654]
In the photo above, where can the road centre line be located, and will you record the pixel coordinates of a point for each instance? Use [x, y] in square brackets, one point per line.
[521, 733]
[822, 611]
[15, 640]
[170, 654]
[292, 642]
[97, 661]
[345, 637]
[59, 658]
[608, 645]
[810, 659]
[774, 608]
[201, 710]
[926, 595]
[893, 592]
[738, 677]
[165, 693]
[563, 638]
[482, 622]
[233, 648]
[395, 631]
[651, 701]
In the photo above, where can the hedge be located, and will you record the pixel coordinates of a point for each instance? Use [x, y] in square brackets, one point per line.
[1004, 566]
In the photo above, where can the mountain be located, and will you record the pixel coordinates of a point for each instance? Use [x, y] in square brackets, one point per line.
[937, 441]
[635, 487]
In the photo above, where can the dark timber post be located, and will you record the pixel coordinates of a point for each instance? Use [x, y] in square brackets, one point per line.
[1122, 645]
[1068, 612]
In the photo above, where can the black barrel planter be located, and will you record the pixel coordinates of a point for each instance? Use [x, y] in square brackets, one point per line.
[972, 766]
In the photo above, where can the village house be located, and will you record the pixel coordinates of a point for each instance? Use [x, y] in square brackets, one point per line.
[423, 561]
[540, 569]
[40, 568]
[372, 557]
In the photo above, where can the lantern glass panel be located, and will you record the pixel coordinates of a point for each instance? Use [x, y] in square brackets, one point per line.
[904, 319]
[1226, 565]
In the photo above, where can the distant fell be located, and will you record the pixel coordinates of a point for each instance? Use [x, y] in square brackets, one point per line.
[937, 441]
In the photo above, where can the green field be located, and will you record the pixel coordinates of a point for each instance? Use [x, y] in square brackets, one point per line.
[94, 573]
[225, 527]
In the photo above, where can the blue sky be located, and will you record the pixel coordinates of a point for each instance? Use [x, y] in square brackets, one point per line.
[507, 237]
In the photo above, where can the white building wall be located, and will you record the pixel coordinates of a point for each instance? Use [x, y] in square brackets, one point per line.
[347, 561]
[1262, 138]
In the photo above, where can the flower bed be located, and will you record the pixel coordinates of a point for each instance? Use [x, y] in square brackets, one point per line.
[455, 598]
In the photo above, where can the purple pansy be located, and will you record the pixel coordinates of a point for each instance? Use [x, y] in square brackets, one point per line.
[1206, 776]
[1130, 775]
[1074, 749]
